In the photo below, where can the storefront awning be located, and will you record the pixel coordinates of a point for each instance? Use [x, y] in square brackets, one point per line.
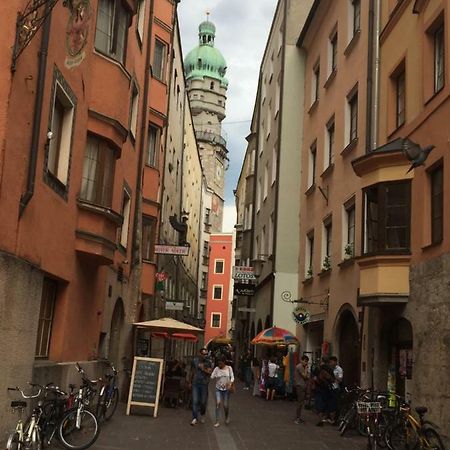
[168, 325]
[185, 337]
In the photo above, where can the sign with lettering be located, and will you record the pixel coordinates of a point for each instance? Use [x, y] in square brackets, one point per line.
[244, 289]
[244, 273]
[174, 306]
[180, 250]
[145, 383]
[301, 315]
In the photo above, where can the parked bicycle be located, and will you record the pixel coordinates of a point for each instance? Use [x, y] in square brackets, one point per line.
[370, 412]
[27, 434]
[109, 395]
[348, 415]
[412, 433]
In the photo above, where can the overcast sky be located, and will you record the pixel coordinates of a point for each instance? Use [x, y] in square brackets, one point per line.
[242, 27]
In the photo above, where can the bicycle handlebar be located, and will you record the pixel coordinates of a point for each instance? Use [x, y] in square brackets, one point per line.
[17, 388]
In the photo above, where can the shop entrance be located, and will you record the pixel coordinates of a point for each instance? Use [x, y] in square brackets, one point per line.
[400, 357]
[115, 331]
[348, 342]
[314, 340]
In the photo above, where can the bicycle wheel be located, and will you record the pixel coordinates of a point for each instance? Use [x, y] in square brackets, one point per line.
[111, 404]
[13, 442]
[78, 437]
[403, 437]
[433, 440]
[346, 421]
[360, 425]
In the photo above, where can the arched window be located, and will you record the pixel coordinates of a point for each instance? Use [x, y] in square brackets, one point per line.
[211, 86]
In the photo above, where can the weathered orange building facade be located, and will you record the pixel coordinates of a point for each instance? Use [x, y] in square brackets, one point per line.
[220, 288]
[83, 115]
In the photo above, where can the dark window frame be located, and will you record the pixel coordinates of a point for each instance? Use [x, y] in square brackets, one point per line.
[351, 225]
[356, 16]
[217, 286]
[219, 316]
[219, 261]
[313, 156]
[379, 236]
[439, 64]
[436, 176]
[331, 135]
[334, 51]
[316, 74]
[159, 67]
[148, 238]
[152, 154]
[400, 98]
[310, 237]
[46, 318]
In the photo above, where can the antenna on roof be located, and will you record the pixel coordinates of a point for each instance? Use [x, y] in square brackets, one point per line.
[207, 16]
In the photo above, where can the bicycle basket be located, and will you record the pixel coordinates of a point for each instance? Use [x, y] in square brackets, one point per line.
[368, 407]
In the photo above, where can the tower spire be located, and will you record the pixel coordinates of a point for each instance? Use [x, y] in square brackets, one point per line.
[207, 16]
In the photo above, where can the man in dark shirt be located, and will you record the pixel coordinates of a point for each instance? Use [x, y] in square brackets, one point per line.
[201, 369]
[323, 384]
[246, 361]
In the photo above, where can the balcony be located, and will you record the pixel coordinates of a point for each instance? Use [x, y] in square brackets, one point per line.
[96, 232]
[384, 280]
[213, 138]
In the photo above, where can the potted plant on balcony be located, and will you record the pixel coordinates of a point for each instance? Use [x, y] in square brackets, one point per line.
[309, 273]
[348, 251]
[326, 264]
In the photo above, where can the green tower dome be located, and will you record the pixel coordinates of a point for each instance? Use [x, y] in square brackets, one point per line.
[205, 60]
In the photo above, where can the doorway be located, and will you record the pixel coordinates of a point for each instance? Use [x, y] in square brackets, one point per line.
[348, 347]
[117, 320]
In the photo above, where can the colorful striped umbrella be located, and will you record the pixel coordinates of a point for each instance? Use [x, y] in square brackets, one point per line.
[274, 336]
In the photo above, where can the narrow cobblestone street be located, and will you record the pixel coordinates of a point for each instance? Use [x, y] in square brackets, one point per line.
[255, 425]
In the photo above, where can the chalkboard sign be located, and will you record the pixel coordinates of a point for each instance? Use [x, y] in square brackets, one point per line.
[145, 383]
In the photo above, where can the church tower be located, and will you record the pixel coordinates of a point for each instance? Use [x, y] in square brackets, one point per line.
[205, 69]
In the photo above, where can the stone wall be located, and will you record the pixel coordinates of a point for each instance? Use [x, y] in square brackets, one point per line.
[20, 299]
[429, 308]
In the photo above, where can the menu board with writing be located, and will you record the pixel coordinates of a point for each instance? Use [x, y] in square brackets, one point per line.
[145, 383]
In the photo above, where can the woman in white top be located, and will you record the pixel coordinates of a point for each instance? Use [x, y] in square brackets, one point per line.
[271, 381]
[224, 377]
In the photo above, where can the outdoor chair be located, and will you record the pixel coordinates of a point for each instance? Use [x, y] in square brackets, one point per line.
[173, 392]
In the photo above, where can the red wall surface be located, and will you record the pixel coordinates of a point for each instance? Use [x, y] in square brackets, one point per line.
[221, 248]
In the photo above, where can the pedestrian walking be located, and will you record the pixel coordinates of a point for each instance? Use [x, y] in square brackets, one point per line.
[223, 374]
[256, 371]
[301, 382]
[246, 361]
[271, 381]
[200, 373]
[338, 374]
[323, 379]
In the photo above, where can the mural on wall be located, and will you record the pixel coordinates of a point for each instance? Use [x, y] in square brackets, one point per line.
[77, 32]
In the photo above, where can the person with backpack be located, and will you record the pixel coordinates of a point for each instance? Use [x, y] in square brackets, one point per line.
[323, 381]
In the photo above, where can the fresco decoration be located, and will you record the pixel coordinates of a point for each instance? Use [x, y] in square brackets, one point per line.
[77, 32]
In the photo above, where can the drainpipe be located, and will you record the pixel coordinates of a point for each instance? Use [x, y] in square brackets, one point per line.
[37, 114]
[376, 80]
[137, 226]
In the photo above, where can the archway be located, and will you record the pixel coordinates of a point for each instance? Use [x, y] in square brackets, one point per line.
[400, 355]
[348, 347]
[115, 331]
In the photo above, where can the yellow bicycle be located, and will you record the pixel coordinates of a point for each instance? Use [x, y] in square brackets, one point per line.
[414, 434]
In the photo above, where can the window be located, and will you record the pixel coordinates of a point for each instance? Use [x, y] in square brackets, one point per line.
[269, 119]
[112, 29]
[207, 215]
[211, 86]
[439, 60]
[329, 155]
[400, 90]
[219, 266]
[327, 232]
[356, 16]
[309, 254]
[215, 320]
[134, 111]
[258, 196]
[312, 164]
[266, 181]
[61, 129]
[141, 19]
[204, 280]
[98, 172]
[48, 298]
[148, 238]
[315, 84]
[153, 145]
[159, 60]
[437, 205]
[126, 207]
[270, 243]
[387, 217]
[349, 230]
[274, 163]
[217, 292]
[205, 249]
[333, 46]
[352, 117]
[277, 96]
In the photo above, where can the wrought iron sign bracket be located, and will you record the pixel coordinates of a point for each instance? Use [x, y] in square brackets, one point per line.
[28, 23]
[286, 296]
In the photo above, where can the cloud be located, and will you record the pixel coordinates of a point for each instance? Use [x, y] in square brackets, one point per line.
[242, 28]
[229, 218]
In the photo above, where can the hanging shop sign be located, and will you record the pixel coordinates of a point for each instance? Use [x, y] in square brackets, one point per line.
[244, 289]
[174, 306]
[180, 250]
[301, 315]
[244, 273]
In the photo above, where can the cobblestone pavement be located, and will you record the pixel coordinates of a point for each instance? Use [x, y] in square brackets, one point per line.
[255, 425]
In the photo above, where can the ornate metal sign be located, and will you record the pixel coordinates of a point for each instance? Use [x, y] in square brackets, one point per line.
[301, 315]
